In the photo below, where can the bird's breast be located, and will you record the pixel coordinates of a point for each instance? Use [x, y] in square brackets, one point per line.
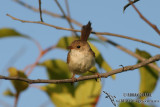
[80, 61]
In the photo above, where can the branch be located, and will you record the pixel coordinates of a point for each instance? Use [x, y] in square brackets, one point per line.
[40, 11]
[128, 51]
[102, 75]
[143, 18]
[129, 4]
[46, 12]
[126, 37]
[101, 33]
[67, 8]
[98, 33]
[43, 23]
[67, 18]
[42, 53]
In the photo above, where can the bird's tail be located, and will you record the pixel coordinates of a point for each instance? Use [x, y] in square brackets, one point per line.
[85, 31]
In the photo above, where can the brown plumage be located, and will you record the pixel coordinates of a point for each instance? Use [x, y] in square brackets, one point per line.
[68, 57]
[82, 45]
[85, 31]
[81, 57]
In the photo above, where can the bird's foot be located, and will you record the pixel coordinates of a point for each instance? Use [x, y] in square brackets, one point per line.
[98, 76]
[73, 79]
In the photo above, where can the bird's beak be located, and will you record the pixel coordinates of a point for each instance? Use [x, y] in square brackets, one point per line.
[69, 47]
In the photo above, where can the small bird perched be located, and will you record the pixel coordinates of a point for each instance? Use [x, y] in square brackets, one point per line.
[81, 57]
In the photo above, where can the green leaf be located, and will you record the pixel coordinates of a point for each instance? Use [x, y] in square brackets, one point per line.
[100, 61]
[64, 42]
[59, 95]
[67, 95]
[8, 32]
[133, 104]
[56, 69]
[9, 93]
[18, 85]
[97, 40]
[149, 76]
[87, 93]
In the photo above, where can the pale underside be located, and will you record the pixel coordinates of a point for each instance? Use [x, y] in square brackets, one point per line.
[80, 61]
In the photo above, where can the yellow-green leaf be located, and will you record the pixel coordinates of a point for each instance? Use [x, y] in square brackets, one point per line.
[133, 104]
[18, 85]
[87, 93]
[100, 61]
[149, 76]
[66, 94]
[59, 95]
[8, 32]
[8, 92]
[56, 69]
[64, 42]
[97, 40]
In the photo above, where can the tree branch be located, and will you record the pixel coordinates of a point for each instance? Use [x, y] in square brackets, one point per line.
[98, 33]
[67, 8]
[40, 11]
[102, 75]
[101, 33]
[143, 18]
[46, 12]
[41, 54]
[128, 51]
[67, 18]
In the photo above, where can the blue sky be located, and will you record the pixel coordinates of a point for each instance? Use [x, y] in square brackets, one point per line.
[105, 15]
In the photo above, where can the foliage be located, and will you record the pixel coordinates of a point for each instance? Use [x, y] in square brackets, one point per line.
[66, 41]
[84, 93]
[149, 76]
[8, 32]
[133, 104]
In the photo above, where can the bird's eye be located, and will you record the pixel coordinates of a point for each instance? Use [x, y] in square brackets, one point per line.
[78, 46]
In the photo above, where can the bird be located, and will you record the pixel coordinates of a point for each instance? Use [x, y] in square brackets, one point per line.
[81, 57]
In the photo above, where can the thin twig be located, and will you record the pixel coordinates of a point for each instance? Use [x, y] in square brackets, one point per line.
[16, 99]
[43, 23]
[42, 53]
[13, 60]
[67, 8]
[46, 12]
[32, 66]
[98, 33]
[67, 18]
[37, 44]
[126, 37]
[40, 11]
[127, 51]
[129, 4]
[143, 18]
[82, 78]
[40, 50]
[79, 24]
[101, 37]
